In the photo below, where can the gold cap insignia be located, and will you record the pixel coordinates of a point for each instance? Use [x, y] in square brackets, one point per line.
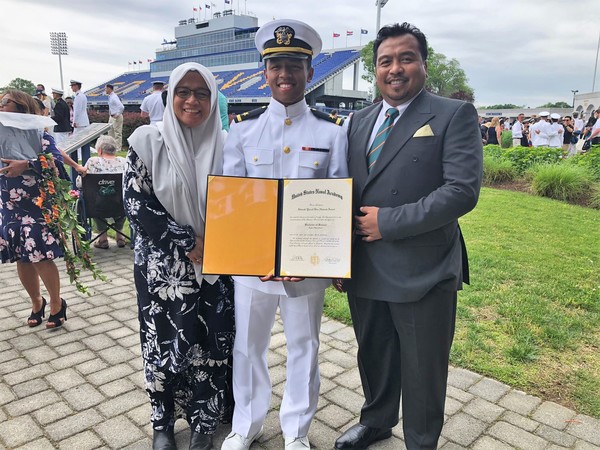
[284, 35]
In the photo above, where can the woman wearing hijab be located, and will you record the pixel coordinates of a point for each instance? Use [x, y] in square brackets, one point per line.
[186, 318]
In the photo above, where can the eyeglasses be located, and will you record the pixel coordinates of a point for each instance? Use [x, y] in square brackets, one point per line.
[185, 93]
[5, 101]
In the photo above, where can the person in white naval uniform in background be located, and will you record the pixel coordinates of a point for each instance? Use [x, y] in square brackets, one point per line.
[555, 137]
[540, 131]
[286, 139]
[152, 106]
[80, 122]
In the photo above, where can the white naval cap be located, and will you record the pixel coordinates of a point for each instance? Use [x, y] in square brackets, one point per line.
[544, 114]
[287, 38]
[555, 116]
[57, 91]
[72, 82]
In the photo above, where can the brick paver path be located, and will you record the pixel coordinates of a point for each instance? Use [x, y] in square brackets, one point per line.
[81, 387]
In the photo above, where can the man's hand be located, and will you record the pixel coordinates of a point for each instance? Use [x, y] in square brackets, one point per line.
[366, 226]
[338, 284]
[14, 167]
[195, 254]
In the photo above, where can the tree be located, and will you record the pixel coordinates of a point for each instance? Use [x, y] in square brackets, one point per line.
[445, 77]
[22, 85]
[556, 105]
[503, 106]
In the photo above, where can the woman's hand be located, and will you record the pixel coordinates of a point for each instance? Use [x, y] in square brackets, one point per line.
[195, 254]
[14, 167]
[273, 278]
[81, 170]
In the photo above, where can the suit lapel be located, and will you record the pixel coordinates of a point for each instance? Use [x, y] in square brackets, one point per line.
[416, 115]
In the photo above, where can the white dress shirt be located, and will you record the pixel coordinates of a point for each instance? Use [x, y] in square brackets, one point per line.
[115, 107]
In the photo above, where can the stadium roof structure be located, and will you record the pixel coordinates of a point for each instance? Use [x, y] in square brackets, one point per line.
[239, 86]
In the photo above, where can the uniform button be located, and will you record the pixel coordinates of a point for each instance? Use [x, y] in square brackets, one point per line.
[288, 121]
[255, 159]
[286, 150]
[316, 163]
[394, 192]
[415, 158]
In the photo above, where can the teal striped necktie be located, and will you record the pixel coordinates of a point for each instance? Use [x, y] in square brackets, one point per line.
[381, 136]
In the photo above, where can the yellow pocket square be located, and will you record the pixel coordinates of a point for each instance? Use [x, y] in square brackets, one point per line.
[424, 131]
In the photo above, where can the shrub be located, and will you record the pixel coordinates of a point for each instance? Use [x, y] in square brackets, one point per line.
[493, 150]
[524, 158]
[595, 196]
[497, 170]
[131, 121]
[590, 160]
[560, 181]
[506, 139]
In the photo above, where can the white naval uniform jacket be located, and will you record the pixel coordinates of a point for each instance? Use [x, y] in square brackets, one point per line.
[266, 147]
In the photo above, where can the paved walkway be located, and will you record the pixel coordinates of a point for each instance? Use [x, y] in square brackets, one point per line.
[81, 387]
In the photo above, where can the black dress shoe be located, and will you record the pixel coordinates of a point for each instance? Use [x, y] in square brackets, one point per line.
[163, 440]
[359, 437]
[199, 441]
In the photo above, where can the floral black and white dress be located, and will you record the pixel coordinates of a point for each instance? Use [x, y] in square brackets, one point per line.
[186, 330]
[24, 234]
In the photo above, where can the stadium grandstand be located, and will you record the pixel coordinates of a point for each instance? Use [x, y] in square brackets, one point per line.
[225, 44]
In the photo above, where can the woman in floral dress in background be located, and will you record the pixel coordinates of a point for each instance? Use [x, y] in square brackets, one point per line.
[25, 237]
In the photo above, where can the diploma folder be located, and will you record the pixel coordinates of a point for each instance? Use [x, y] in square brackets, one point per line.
[294, 228]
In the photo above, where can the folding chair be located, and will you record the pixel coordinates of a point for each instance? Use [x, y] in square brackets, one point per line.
[100, 198]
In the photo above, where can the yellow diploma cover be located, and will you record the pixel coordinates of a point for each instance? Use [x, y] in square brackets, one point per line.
[258, 226]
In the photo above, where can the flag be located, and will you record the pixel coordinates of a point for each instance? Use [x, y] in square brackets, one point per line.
[207, 6]
[195, 9]
[349, 33]
[362, 31]
[336, 35]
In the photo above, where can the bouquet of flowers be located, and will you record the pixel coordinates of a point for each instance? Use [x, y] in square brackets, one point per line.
[57, 202]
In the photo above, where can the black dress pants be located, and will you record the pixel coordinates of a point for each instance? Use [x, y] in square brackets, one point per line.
[403, 348]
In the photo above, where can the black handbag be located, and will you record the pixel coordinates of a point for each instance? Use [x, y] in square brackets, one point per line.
[586, 145]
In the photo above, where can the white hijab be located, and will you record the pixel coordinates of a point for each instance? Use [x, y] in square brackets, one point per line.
[180, 158]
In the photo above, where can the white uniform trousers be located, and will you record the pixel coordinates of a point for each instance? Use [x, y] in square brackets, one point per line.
[254, 317]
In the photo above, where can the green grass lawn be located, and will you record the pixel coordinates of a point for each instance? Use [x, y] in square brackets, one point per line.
[531, 317]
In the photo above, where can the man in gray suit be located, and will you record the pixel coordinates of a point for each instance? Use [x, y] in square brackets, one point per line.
[409, 258]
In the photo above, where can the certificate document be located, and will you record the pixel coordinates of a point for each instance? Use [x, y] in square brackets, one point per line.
[299, 227]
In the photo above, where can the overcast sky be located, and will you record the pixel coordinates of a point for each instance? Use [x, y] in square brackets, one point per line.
[526, 52]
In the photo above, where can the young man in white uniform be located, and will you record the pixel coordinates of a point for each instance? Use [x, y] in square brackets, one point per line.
[284, 140]
[80, 122]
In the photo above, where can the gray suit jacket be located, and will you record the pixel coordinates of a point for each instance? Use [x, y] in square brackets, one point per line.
[422, 185]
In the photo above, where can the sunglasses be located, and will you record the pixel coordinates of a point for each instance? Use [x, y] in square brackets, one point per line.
[5, 101]
[185, 93]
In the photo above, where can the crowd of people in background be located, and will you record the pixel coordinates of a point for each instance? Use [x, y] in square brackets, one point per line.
[544, 130]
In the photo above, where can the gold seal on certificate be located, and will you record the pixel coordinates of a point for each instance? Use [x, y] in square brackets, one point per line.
[295, 228]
